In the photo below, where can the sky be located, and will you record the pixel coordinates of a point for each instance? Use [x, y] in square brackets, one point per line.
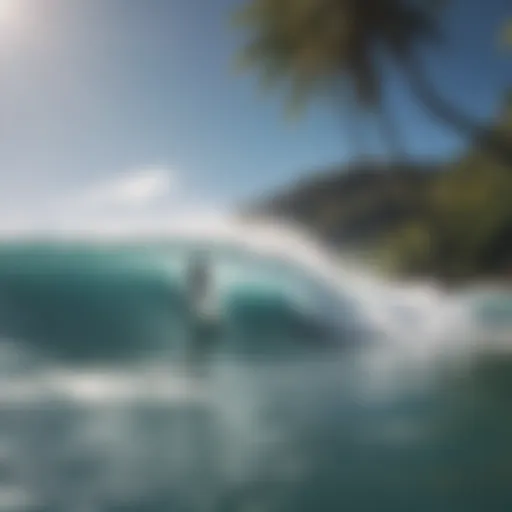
[131, 108]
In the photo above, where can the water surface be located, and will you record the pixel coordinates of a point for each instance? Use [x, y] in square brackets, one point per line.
[100, 413]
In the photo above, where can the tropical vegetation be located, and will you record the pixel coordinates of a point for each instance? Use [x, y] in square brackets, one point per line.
[449, 219]
[332, 47]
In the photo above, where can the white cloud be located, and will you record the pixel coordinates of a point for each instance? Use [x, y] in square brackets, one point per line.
[148, 200]
[133, 189]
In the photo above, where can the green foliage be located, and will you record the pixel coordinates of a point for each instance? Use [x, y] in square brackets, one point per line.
[468, 221]
[407, 250]
[312, 46]
[455, 224]
[452, 221]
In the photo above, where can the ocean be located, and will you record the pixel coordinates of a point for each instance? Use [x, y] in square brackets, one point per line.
[306, 398]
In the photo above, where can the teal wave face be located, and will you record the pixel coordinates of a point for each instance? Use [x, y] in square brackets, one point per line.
[90, 302]
[85, 302]
[333, 433]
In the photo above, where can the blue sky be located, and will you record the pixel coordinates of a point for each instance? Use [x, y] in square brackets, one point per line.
[138, 97]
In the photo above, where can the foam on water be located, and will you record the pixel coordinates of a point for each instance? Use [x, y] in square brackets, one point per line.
[312, 432]
[419, 322]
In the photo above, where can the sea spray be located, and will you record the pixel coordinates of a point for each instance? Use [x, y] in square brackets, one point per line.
[99, 413]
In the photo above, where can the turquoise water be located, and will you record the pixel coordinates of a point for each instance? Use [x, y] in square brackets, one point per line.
[81, 302]
[99, 412]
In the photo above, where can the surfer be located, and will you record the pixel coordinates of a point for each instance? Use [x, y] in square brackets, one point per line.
[202, 306]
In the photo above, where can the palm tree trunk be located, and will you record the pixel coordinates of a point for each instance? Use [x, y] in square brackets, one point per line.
[482, 136]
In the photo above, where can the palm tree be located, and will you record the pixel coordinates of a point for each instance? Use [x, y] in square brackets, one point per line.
[314, 45]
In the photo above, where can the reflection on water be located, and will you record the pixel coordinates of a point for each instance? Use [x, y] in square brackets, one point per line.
[312, 435]
[406, 423]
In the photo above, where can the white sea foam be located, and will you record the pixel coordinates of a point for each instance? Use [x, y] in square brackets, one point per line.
[152, 428]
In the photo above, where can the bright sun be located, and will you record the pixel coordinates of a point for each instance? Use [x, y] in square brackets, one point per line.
[10, 14]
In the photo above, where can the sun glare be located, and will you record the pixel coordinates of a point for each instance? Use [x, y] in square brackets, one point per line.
[10, 14]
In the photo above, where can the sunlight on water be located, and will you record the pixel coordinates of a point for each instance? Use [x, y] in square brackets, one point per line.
[327, 388]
